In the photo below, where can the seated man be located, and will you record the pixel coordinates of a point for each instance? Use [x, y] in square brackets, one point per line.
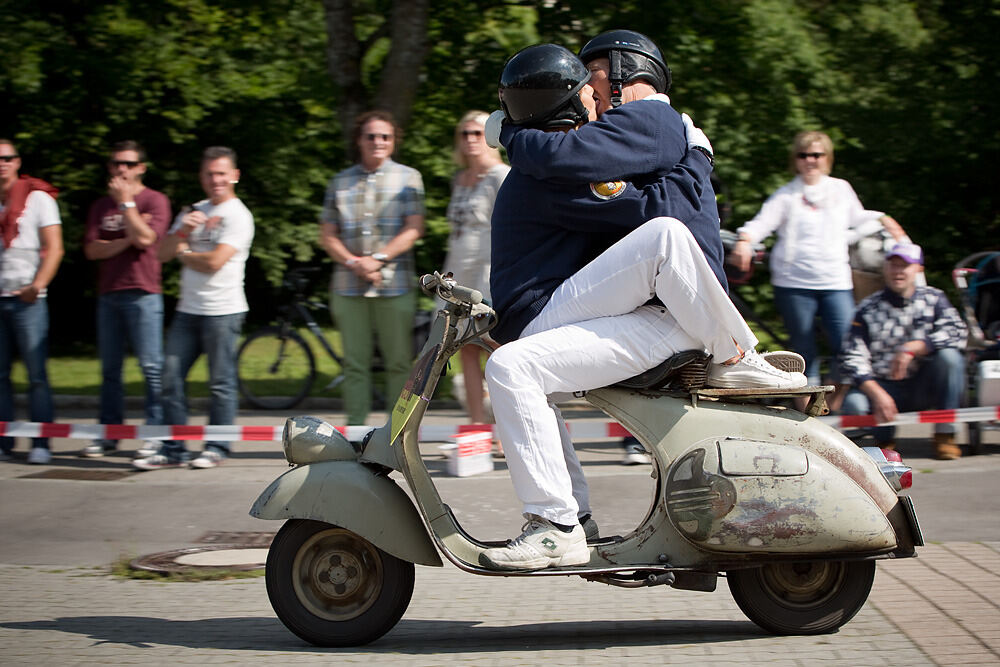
[904, 352]
[592, 288]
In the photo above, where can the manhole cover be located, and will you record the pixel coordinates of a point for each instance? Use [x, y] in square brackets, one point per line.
[238, 538]
[80, 474]
[221, 557]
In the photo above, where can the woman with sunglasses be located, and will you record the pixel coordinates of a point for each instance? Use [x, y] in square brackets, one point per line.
[473, 191]
[816, 218]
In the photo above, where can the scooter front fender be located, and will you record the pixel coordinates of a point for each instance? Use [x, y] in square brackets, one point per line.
[351, 496]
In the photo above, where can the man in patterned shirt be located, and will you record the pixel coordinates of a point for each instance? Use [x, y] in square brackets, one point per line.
[373, 213]
[904, 352]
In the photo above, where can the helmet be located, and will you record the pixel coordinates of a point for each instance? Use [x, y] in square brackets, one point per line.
[539, 86]
[632, 56]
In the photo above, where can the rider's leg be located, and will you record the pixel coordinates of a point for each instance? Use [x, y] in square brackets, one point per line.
[522, 375]
[578, 481]
[660, 258]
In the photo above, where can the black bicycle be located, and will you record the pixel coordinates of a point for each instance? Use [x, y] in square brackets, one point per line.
[276, 365]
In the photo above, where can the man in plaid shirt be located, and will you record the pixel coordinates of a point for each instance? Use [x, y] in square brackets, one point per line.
[904, 352]
[373, 213]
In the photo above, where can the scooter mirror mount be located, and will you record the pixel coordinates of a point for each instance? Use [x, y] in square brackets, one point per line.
[448, 289]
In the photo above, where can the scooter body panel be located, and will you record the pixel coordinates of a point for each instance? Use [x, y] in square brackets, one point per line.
[743, 496]
[788, 485]
[350, 495]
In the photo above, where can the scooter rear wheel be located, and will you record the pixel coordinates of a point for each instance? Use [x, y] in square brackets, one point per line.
[802, 598]
[331, 587]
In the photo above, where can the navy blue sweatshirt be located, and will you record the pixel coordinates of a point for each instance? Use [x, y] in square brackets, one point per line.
[544, 231]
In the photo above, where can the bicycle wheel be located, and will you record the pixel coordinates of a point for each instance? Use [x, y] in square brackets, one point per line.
[276, 369]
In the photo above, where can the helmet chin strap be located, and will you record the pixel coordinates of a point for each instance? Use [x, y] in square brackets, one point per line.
[615, 77]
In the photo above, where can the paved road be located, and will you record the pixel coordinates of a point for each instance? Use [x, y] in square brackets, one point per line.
[61, 606]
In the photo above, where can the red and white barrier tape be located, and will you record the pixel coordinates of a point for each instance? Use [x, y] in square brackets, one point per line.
[428, 433]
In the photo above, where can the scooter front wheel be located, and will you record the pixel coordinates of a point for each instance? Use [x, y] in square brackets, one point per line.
[802, 598]
[332, 587]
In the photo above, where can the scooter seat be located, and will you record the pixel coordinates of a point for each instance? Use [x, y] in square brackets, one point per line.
[685, 371]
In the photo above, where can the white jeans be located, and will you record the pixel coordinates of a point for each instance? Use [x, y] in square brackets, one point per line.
[595, 331]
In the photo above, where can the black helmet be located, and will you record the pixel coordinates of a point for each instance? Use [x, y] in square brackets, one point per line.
[632, 56]
[539, 86]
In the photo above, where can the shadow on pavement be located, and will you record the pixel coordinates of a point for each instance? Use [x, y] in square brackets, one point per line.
[409, 636]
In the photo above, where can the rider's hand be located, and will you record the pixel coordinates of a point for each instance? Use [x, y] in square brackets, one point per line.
[695, 137]
[740, 256]
[494, 124]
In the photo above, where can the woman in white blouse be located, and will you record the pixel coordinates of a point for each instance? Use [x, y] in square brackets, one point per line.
[816, 218]
[473, 191]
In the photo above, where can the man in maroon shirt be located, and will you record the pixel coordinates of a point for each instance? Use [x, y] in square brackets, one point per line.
[123, 232]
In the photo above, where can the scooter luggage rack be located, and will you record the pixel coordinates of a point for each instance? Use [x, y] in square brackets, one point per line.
[816, 407]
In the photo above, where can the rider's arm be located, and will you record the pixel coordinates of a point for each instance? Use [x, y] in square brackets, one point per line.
[679, 194]
[639, 138]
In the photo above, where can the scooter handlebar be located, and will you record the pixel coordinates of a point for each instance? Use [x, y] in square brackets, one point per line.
[447, 288]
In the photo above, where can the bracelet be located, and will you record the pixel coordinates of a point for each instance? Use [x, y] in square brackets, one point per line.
[186, 251]
[181, 234]
[707, 153]
[905, 351]
[351, 262]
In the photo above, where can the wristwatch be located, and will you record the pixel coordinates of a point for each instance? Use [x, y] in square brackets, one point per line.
[380, 256]
[126, 205]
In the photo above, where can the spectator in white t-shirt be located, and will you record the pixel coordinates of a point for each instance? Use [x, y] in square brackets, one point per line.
[30, 254]
[212, 241]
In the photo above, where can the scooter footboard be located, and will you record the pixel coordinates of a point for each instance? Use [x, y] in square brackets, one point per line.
[351, 496]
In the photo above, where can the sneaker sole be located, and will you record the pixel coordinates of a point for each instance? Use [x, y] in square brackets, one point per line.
[577, 556]
[789, 364]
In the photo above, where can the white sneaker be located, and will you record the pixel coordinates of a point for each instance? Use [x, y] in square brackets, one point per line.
[39, 456]
[148, 448]
[157, 461]
[752, 372]
[635, 455]
[541, 545]
[784, 360]
[208, 459]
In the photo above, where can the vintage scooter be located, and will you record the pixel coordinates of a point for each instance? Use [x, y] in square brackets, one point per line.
[788, 509]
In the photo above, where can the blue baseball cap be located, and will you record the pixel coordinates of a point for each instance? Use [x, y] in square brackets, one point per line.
[910, 252]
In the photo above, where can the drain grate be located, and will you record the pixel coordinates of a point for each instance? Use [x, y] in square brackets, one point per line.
[238, 539]
[80, 474]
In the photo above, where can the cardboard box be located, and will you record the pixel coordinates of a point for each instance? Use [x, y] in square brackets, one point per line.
[988, 382]
[469, 454]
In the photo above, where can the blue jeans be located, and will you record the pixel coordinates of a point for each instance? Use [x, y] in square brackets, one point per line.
[799, 308]
[24, 328]
[133, 317]
[190, 336]
[937, 385]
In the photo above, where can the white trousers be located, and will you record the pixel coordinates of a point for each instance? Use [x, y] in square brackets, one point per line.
[594, 332]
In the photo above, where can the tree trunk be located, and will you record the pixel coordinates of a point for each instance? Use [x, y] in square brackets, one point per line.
[407, 28]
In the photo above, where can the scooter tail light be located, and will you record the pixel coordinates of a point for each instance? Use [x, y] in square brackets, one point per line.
[892, 455]
[906, 479]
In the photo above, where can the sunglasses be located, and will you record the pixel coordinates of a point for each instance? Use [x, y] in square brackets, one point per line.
[803, 156]
[131, 164]
[373, 137]
[471, 133]
[8, 158]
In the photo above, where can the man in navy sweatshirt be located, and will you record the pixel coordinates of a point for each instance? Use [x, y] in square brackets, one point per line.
[592, 288]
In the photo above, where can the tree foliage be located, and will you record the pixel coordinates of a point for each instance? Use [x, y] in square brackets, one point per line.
[907, 89]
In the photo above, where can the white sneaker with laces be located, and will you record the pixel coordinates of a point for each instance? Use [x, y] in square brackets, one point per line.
[39, 456]
[148, 448]
[541, 545]
[208, 459]
[97, 449]
[785, 360]
[635, 455]
[752, 372]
